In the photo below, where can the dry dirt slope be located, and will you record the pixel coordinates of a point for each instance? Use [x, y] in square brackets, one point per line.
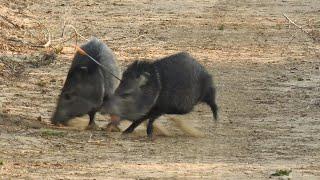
[268, 91]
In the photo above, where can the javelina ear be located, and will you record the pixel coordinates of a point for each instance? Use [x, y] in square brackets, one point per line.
[135, 63]
[143, 79]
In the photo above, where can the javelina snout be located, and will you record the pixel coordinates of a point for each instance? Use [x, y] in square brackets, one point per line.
[133, 98]
[69, 106]
[172, 85]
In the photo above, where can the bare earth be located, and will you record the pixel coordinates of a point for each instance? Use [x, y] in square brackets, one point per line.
[268, 91]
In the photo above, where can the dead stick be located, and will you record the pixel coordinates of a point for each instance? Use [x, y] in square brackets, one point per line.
[293, 23]
[9, 21]
[114, 39]
[48, 43]
[75, 30]
[74, 142]
[63, 28]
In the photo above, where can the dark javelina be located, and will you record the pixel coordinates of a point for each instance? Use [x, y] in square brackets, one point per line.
[172, 85]
[87, 84]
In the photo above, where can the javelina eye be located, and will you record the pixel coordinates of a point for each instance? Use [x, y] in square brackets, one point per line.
[125, 94]
[69, 95]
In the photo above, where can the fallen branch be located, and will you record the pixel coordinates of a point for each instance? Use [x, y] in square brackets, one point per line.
[78, 34]
[95, 142]
[60, 40]
[65, 40]
[297, 26]
[9, 21]
[114, 39]
[293, 23]
[74, 142]
[47, 35]
[49, 41]
[63, 28]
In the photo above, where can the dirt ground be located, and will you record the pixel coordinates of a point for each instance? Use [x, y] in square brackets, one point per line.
[266, 72]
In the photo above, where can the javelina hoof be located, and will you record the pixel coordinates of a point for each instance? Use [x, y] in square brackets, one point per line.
[159, 129]
[125, 135]
[112, 128]
[93, 127]
[151, 138]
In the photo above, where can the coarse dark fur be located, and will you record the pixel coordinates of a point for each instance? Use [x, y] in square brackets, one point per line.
[87, 84]
[171, 85]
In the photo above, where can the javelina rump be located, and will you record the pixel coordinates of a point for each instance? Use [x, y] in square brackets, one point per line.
[87, 84]
[172, 85]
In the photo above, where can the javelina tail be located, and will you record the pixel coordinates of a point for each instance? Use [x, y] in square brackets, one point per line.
[184, 126]
[210, 99]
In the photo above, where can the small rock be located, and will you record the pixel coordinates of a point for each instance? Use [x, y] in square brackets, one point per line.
[53, 80]
[39, 118]
[303, 115]
[48, 57]
[315, 102]
[300, 79]
[1, 66]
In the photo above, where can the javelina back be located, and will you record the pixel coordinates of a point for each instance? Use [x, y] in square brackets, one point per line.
[172, 85]
[87, 84]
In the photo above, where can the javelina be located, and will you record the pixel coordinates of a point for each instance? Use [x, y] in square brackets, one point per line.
[87, 83]
[172, 85]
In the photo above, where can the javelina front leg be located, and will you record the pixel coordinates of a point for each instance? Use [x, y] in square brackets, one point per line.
[150, 127]
[134, 124]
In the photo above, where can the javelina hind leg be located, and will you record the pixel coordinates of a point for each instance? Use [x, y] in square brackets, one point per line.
[134, 124]
[92, 125]
[210, 99]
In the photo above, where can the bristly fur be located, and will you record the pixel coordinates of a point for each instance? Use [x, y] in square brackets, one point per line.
[175, 84]
[87, 85]
[138, 67]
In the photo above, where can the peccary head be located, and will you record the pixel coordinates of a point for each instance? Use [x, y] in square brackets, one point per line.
[137, 93]
[83, 92]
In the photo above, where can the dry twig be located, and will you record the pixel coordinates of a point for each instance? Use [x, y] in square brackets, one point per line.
[78, 34]
[114, 39]
[47, 35]
[9, 21]
[92, 141]
[63, 29]
[310, 35]
[293, 23]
